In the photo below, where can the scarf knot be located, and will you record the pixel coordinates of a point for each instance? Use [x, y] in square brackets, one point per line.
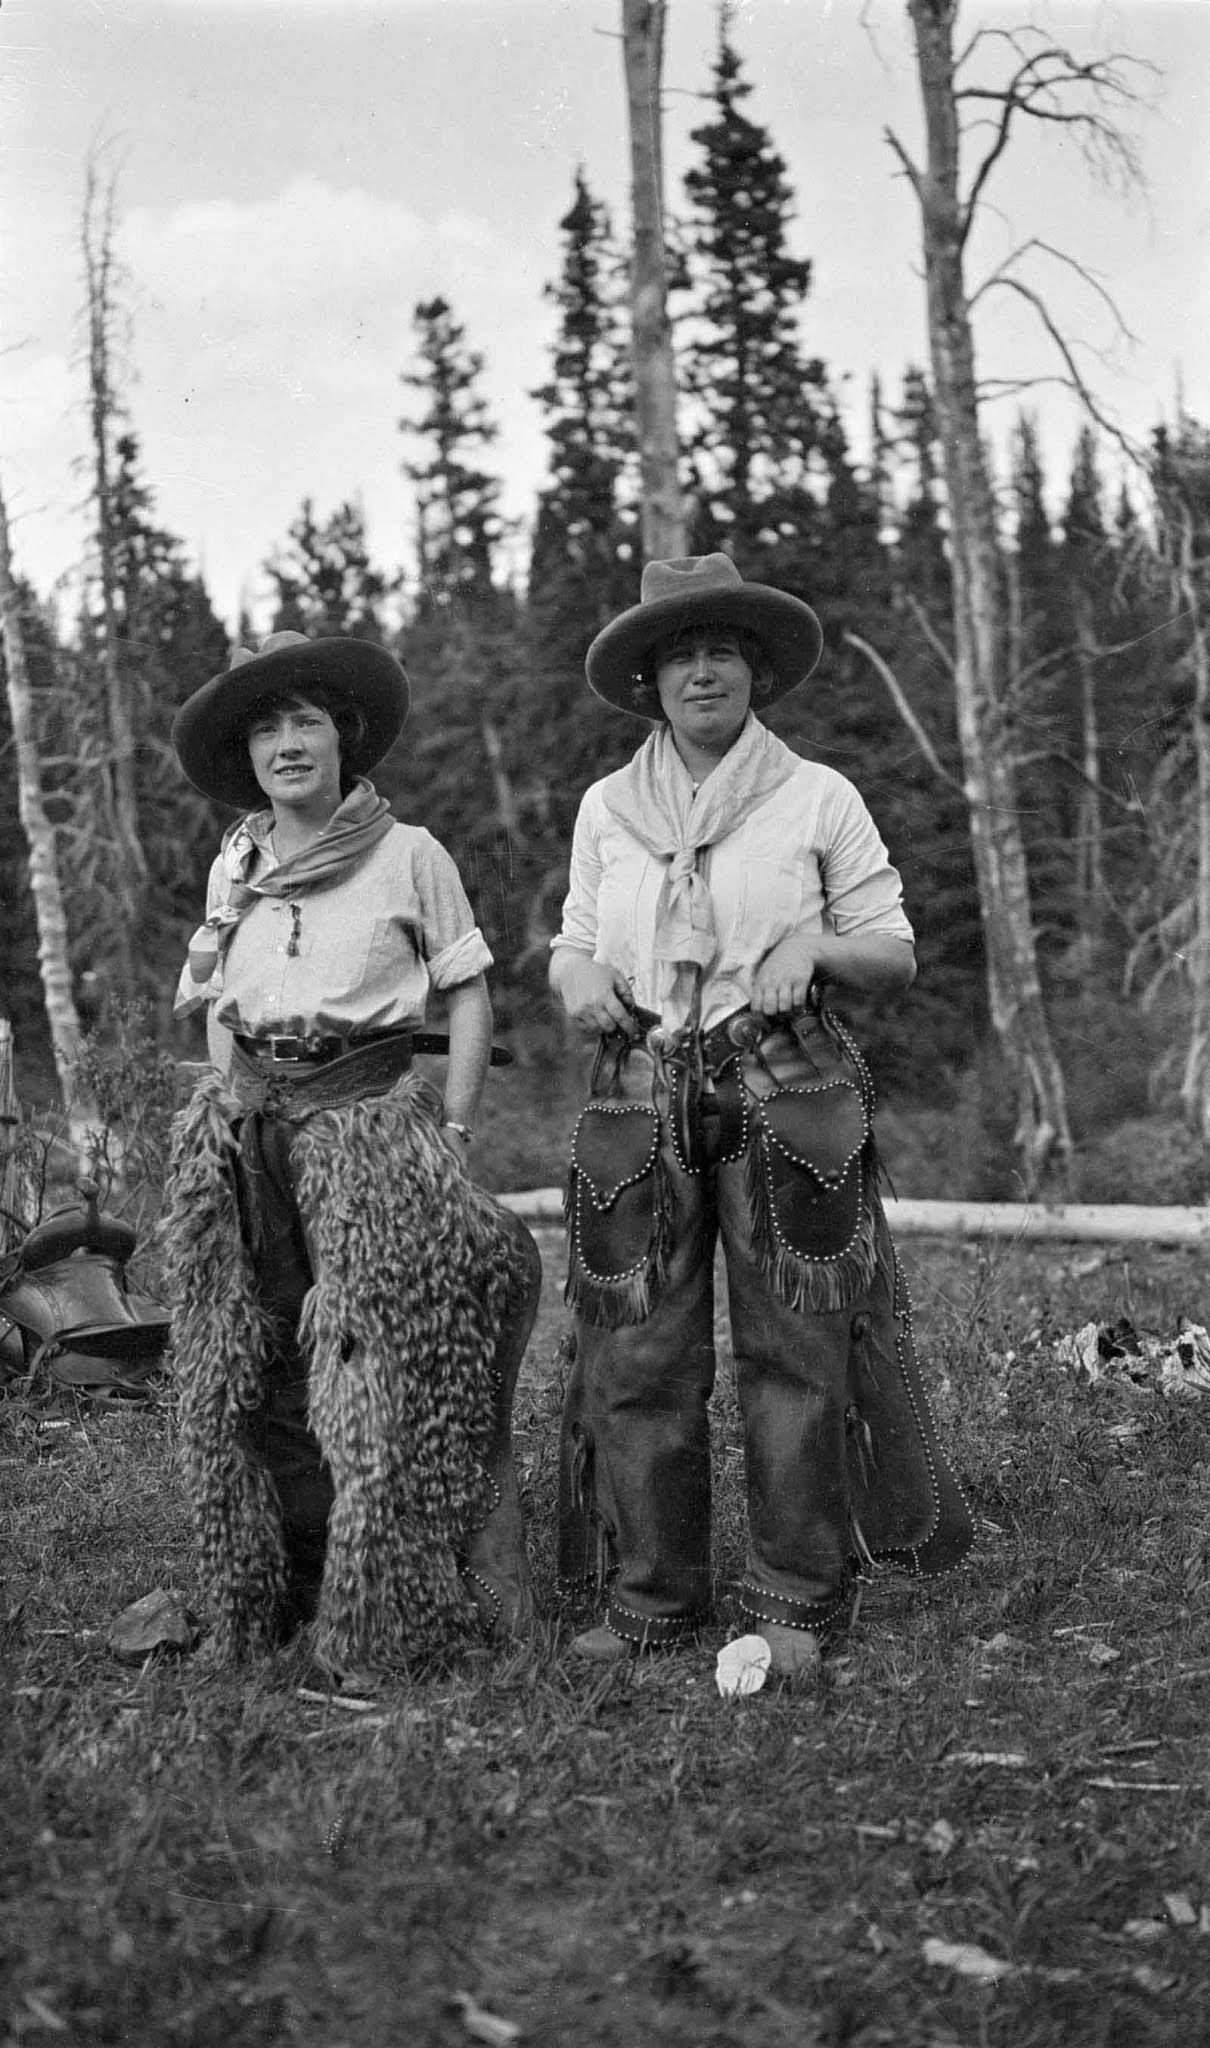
[656, 802]
[357, 824]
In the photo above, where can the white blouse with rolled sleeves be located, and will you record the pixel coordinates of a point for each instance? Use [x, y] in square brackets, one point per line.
[809, 859]
[361, 954]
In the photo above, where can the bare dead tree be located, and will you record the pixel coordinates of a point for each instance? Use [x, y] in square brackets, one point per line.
[1189, 577]
[663, 513]
[1045, 83]
[54, 960]
[97, 230]
[899, 699]
[1091, 887]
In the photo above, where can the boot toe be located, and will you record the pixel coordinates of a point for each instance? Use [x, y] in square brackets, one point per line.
[602, 1646]
[794, 1652]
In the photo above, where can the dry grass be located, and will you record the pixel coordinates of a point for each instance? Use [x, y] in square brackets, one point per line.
[197, 1858]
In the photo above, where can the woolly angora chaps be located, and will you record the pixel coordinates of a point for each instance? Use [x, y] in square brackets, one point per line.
[399, 1332]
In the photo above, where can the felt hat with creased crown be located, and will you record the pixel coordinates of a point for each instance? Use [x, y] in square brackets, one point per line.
[210, 731]
[702, 590]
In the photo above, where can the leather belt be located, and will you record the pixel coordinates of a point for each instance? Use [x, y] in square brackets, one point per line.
[316, 1048]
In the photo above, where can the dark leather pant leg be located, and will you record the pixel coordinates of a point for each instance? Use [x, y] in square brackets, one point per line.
[282, 1437]
[791, 1378]
[496, 1563]
[636, 1435]
[279, 1432]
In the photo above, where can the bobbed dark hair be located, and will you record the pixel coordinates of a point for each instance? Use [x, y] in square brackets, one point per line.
[345, 715]
[750, 645]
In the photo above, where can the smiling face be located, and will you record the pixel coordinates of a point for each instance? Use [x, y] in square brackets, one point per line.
[294, 748]
[704, 681]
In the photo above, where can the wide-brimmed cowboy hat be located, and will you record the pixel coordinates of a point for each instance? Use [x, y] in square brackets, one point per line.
[700, 590]
[210, 731]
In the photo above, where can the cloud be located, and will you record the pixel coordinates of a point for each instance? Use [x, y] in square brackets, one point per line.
[334, 7]
[310, 292]
[267, 338]
[35, 383]
[305, 246]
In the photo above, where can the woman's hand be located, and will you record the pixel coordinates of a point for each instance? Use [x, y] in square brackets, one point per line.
[457, 1139]
[876, 964]
[593, 994]
[781, 985]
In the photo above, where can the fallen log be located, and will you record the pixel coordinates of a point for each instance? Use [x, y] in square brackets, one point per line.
[1024, 1222]
[1070, 1222]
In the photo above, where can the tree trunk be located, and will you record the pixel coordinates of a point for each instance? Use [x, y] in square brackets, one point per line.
[508, 813]
[53, 957]
[18, 1196]
[1091, 892]
[1195, 1081]
[981, 629]
[651, 333]
[97, 242]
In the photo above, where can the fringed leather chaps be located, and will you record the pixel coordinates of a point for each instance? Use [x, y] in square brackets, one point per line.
[843, 1466]
[419, 1282]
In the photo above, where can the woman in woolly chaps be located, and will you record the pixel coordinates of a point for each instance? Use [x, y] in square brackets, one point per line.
[720, 886]
[350, 1309]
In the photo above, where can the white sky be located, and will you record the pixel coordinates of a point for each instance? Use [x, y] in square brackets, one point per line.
[295, 175]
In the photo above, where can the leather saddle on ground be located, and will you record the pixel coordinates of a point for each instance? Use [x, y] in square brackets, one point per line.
[67, 1306]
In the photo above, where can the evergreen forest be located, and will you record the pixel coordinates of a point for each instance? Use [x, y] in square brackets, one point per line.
[1108, 570]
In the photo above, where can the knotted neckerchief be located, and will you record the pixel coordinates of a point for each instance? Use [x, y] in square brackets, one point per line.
[653, 798]
[357, 824]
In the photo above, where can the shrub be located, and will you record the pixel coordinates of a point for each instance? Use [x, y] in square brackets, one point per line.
[1144, 1159]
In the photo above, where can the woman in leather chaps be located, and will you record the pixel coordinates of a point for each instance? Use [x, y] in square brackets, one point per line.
[720, 886]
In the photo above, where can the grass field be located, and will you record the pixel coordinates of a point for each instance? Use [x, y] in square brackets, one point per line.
[988, 1826]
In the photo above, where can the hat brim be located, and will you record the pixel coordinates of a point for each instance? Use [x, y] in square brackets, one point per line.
[788, 631]
[210, 731]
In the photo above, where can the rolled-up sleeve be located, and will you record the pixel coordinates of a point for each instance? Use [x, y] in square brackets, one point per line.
[579, 927]
[191, 995]
[454, 948]
[862, 890]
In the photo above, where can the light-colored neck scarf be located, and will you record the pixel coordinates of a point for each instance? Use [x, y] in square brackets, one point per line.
[357, 824]
[654, 798]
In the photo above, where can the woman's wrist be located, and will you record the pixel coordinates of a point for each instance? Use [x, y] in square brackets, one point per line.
[461, 1130]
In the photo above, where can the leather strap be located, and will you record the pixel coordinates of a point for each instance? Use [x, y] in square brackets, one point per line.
[317, 1048]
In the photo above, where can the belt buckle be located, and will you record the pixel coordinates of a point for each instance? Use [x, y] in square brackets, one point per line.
[278, 1053]
[746, 1030]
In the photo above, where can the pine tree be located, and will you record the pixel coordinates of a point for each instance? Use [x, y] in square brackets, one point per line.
[462, 767]
[325, 581]
[879, 474]
[760, 407]
[1179, 927]
[1086, 569]
[845, 717]
[582, 564]
[1039, 621]
[921, 566]
[1042, 704]
[168, 641]
[459, 524]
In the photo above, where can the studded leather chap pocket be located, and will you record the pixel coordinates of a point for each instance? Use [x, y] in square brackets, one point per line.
[809, 1187]
[616, 1222]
